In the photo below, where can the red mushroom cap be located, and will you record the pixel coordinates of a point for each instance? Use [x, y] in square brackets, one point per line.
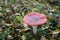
[35, 18]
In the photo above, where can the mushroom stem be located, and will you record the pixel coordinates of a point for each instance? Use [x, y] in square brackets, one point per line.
[6, 2]
[34, 29]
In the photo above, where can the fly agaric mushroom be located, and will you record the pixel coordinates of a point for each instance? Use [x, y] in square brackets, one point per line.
[34, 19]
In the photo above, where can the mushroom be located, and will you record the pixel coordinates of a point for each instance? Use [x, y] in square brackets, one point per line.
[34, 19]
[6, 2]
